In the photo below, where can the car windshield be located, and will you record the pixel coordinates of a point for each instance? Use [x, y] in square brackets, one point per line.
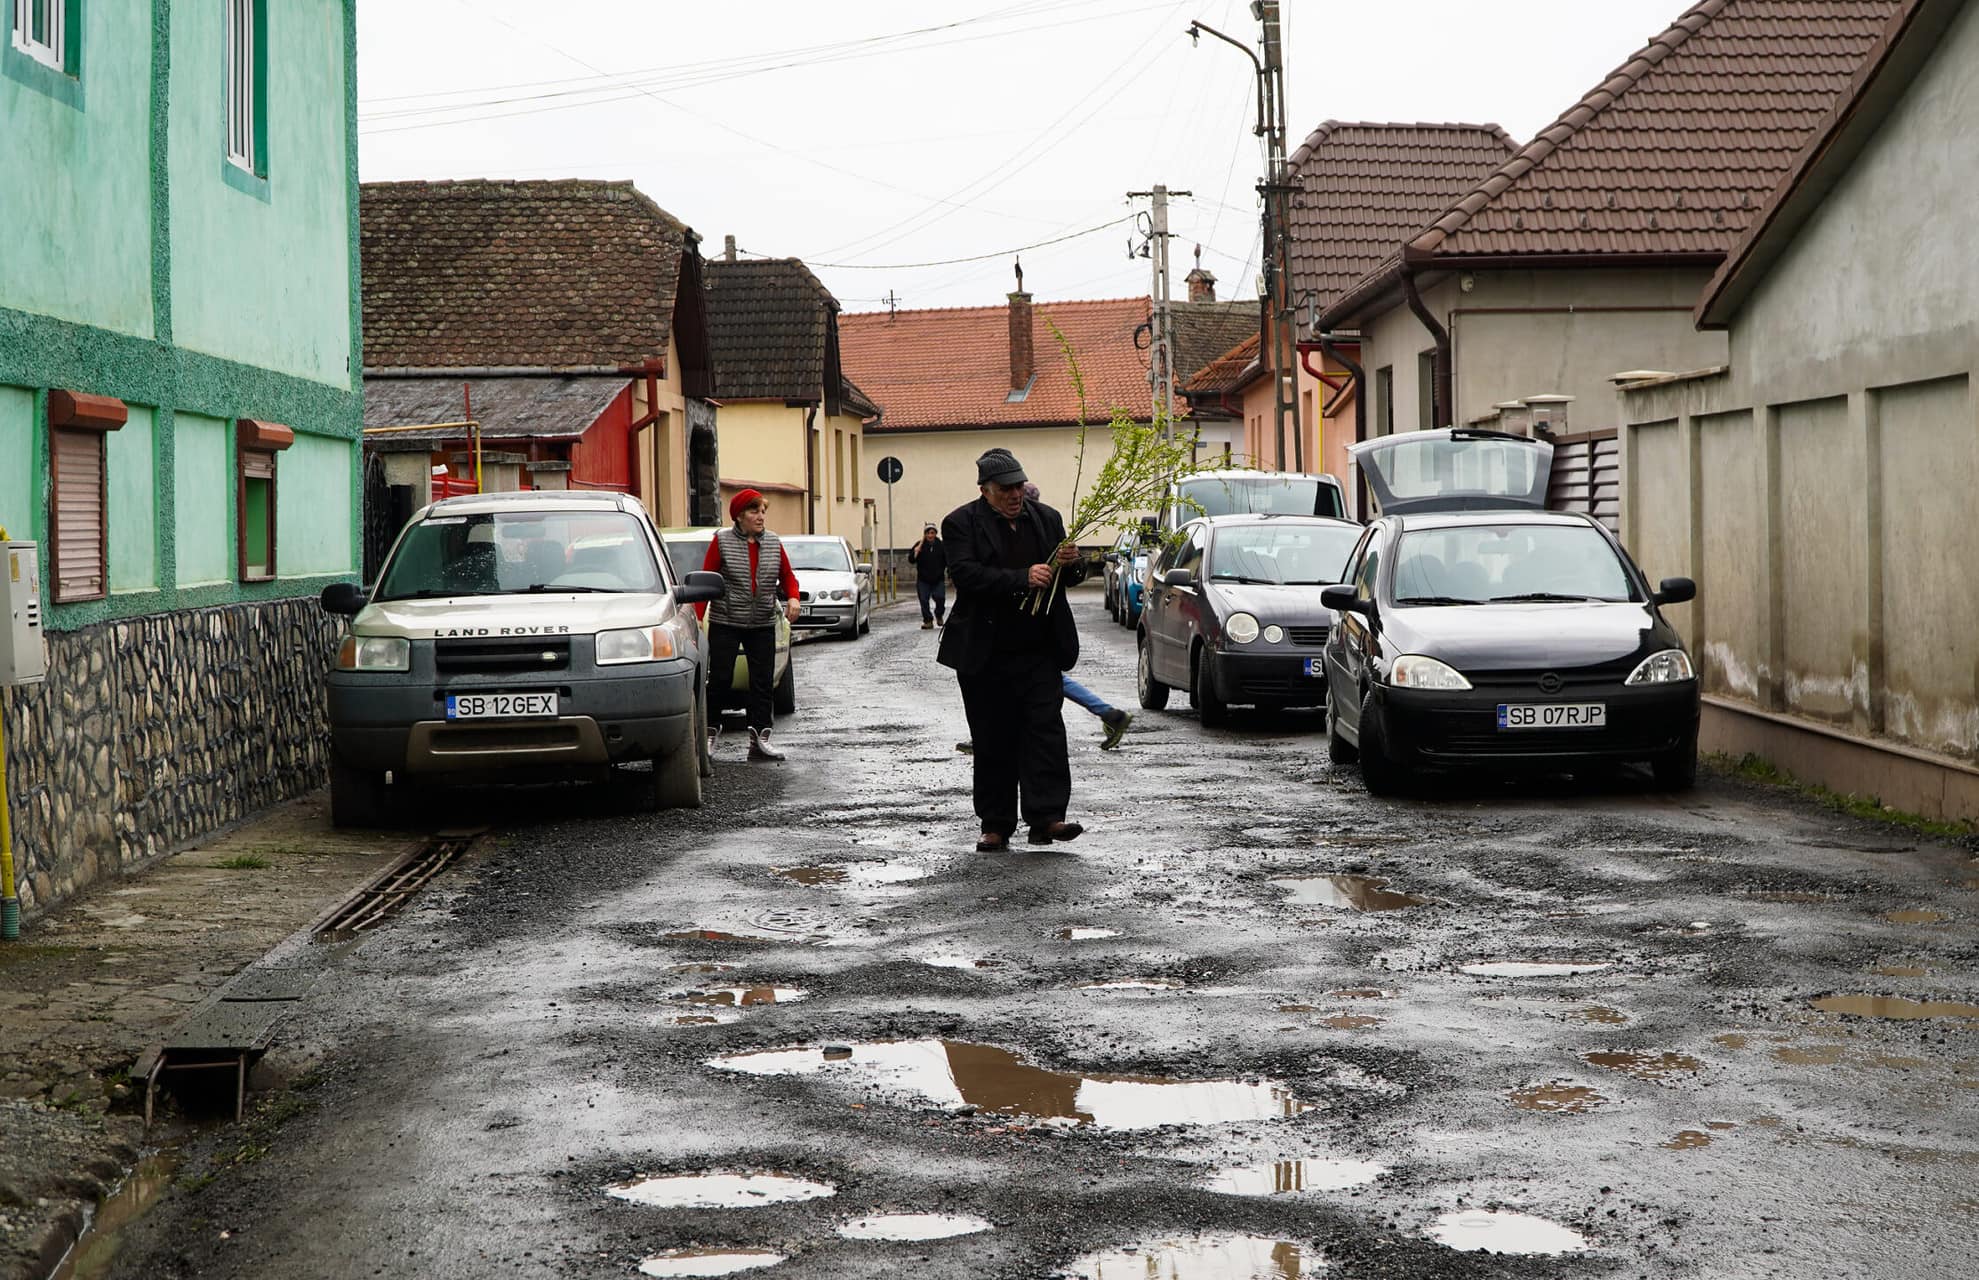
[1508, 563]
[510, 552]
[1260, 495]
[1298, 555]
[825, 556]
[687, 555]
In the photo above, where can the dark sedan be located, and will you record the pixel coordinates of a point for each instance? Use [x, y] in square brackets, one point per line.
[1233, 612]
[1477, 628]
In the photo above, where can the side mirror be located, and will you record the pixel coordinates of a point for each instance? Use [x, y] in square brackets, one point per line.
[1179, 578]
[344, 598]
[863, 568]
[700, 586]
[1341, 599]
[1111, 557]
[1675, 591]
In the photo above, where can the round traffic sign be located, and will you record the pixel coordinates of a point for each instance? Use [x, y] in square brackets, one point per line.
[890, 470]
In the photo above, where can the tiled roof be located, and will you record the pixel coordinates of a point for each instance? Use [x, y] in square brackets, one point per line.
[563, 274]
[769, 322]
[1205, 330]
[950, 368]
[1675, 151]
[1228, 371]
[1365, 188]
[531, 408]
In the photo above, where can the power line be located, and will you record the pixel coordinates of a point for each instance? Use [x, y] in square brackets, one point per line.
[950, 262]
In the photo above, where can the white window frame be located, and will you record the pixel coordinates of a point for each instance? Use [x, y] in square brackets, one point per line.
[52, 52]
[240, 83]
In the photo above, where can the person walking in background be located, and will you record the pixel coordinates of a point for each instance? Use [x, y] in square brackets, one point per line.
[1113, 718]
[1013, 639]
[752, 561]
[930, 560]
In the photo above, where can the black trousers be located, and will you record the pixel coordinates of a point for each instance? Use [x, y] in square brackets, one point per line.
[758, 644]
[933, 594]
[1017, 727]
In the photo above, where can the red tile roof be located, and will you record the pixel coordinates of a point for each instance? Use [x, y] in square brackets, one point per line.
[1675, 151]
[1228, 371]
[949, 368]
[1365, 188]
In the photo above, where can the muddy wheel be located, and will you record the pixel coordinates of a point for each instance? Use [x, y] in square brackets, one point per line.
[783, 698]
[702, 750]
[677, 774]
[1153, 693]
[1382, 776]
[1338, 749]
[1676, 770]
[1211, 710]
[358, 797]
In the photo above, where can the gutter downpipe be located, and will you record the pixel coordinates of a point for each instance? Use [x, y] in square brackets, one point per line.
[1338, 355]
[810, 470]
[1441, 410]
[10, 904]
[632, 430]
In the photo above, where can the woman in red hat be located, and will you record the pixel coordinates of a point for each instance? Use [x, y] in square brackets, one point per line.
[757, 569]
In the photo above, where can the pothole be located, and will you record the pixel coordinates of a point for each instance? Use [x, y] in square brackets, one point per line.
[718, 1190]
[1350, 1021]
[955, 1075]
[1602, 1014]
[1479, 1230]
[1657, 1068]
[1688, 1140]
[1916, 916]
[858, 873]
[1290, 1177]
[1360, 993]
[702, 967]
[1346, 892]
[741, 997]
[1225, 1256]
[1084, 933]
[964, 962]
[914, 1226]
[1532, 968]
[1895, 1007]
[723, 935]
[1821, 1055]
[1131, 984]
[708, 1262]
[1557, 1098]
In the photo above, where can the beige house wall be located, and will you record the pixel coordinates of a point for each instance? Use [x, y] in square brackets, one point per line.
[661, 446]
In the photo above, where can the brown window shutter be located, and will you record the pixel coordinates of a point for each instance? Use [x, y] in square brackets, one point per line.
[81, 546]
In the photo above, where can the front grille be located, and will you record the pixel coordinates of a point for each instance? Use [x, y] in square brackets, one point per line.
[456, 740]
[1628, 733]
[1281, 687]
[1609, 675]
[1314, 636]
[508, 655]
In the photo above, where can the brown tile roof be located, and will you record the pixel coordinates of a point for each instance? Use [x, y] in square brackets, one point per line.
[949, 369]
[1675, 151]
[1205, 330]
[1906, 42]
[562, 274]
[1365, 188]
[558, 407]
[769, 324]
[1228, 371]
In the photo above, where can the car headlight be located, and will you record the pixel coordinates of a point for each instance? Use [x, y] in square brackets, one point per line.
[634, 644]
[374, 653]
[1417, 671]
[842, 593]
[1667, 667]
[1274, 633]
[1241, 627]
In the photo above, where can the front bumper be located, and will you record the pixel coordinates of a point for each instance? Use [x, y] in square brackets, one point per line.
[1267, 675]
[1434, 728]
[836, 616]
[383, 720]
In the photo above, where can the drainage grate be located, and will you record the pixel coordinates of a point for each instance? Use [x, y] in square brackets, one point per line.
[393, 886]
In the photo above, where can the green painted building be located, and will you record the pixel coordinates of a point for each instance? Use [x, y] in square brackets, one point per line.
[180, 409]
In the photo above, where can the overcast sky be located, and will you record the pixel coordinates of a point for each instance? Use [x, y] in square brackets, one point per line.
[885, 133]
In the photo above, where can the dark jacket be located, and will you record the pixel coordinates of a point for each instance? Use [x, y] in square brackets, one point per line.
[930, 560]
[987, 582]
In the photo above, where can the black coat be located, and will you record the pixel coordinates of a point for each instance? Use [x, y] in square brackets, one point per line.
[930, 560]
[987, 580]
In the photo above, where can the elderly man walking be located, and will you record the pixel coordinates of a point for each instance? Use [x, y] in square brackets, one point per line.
[1008, 656]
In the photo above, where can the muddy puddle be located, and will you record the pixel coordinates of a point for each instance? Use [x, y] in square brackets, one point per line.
[725, 935]
[92, 1256]
[905, 1227]
[853, 873]
[1130, 984]
[1346, 893]
[1350, 1021]
[741, 997]
[708, 1262]
[1602, 1014]
[1290, 1177]
[1084, 933]
[964, 962]
[1820, 1055]
[1479, 1230]
[1916, 916]
[1895, 1007]
[1656, 1068]
[1532, 968]
[1688, 1140]
[958, 1075]
[1557, 1098]
[718, 1191]
[704, 967]
[1209, 1257]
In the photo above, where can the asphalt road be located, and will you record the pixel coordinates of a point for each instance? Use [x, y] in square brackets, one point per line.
[1188, 1045]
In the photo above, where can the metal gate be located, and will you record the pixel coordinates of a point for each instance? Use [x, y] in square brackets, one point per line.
[386, 509]
[1587, 476]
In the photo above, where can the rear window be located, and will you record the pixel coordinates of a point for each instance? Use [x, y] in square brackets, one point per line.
[1506, 563]
[1261, 495]
[508, 553]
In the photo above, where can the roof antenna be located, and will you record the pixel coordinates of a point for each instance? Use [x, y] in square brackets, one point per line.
[1020, 275]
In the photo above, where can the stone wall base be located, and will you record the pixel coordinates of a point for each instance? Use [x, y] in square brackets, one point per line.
[1899, 776]
[152, 733]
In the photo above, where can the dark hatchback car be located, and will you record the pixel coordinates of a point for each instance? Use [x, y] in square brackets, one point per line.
[1477, 628]
[1233, 612]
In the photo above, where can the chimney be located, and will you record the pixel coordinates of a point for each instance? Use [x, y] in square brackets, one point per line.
[728, 248]
[1202, 284]
[1023, 352]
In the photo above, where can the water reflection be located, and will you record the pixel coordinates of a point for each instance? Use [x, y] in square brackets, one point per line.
[1289, 1177]
[913, 1226]
[1348, 893]
[93, 1254]
[708, 1262]
[1559, 1098]
[1476, 1230]
[1211, 1257]
[1895, 1007]
[718, 1190]
[1653, 1067]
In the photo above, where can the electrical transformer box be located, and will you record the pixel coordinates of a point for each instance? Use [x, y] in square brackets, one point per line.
[23, 659]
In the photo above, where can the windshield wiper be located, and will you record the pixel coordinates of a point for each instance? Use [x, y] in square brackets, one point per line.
[1543, 597]
[1412, 600]
[541, 588]
[1241, 580]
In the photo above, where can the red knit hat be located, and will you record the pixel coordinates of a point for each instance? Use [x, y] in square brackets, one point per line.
[742, 502]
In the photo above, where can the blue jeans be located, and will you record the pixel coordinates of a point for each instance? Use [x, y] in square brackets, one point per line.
[936, 592]
[1086, 697]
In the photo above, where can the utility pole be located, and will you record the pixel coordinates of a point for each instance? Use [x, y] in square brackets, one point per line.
[1161, 344]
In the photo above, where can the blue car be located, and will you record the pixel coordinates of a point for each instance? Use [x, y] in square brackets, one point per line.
[1126, 577]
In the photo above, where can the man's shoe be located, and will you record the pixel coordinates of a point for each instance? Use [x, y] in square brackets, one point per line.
[760, 748]
[941, 622]
[927, 624]
[1055, 831]
[1116, 722]
[966, 748]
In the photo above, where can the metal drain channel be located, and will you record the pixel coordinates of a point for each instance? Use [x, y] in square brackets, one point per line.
[396, 884]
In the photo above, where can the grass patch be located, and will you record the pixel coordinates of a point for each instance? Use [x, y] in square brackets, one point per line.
[1752, 768]
[244, 862]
